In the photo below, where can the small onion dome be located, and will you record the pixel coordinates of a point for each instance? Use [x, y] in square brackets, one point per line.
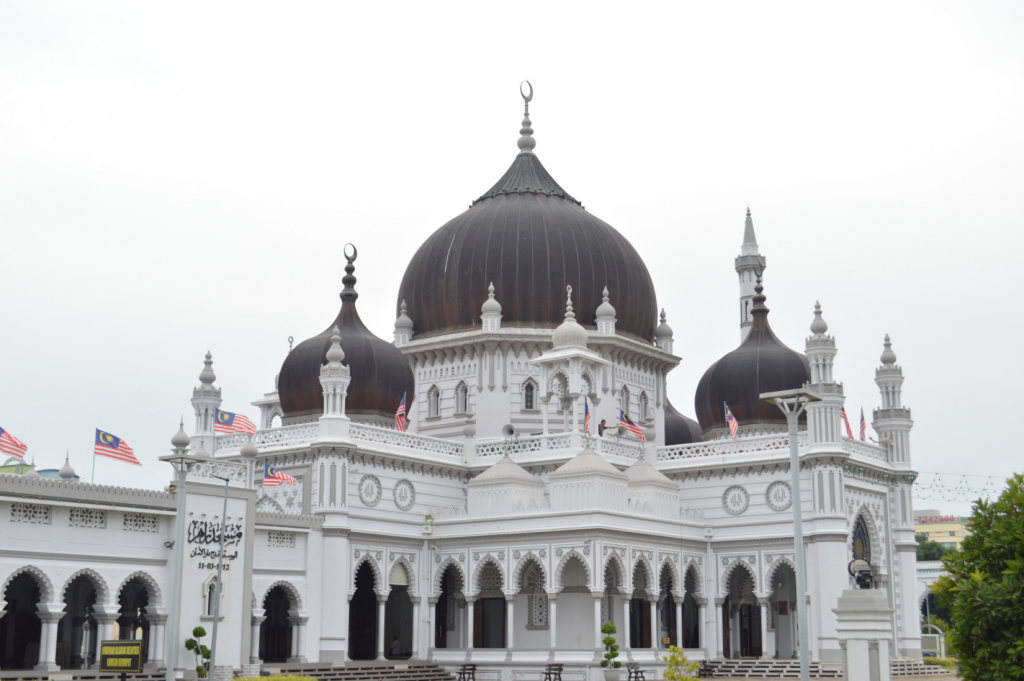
[201, 453]
[491, 305]
[664, 331]
[760, 364]
[380, 373]
[66, 471]
[587, 462]
[605, 309]
[181, 440]
[506, 470]
[888, 356]
[642, 473]
[206, 376]
[818, 326]
[569, 333]
[249, 450]
[32, 472]
[403, 321]
[679, 429]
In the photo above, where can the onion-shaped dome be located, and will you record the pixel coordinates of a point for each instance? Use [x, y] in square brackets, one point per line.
[532, 239]
[569, 333]
[66, 471]
[380, 372]
[181, 440]
[760, 364]
[679, 429]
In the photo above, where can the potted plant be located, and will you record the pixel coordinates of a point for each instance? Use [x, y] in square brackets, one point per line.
[611, 651]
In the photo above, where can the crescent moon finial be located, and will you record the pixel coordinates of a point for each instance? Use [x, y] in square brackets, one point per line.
[527, 97]
[526, 142]
[350, 258]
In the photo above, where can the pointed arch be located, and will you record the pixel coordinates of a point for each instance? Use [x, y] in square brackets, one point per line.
[698, 580]
[289, 588]
[410, 574]
[673, 571]
[98, 583]
[442, 568]
[652, 576]
[379, 583]
[433, 401]
[562, 564]
[559, 378]
[769, 578]
[864, 513]
[727, 575]
[152, 588]
[46, 592]
[484, 561]
[530, 392]
[462, 398]
[615, 561]
[521, 567]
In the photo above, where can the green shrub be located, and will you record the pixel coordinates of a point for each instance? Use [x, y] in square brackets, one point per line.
[679, 668]
[201, 652]
[286, 677]
[611, 648]
[947, 662]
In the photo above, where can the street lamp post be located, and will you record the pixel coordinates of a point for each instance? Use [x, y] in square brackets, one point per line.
[220, 572]
[792, 403]
[181, 461]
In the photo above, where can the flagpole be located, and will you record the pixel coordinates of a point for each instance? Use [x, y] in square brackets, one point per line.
[92, 478]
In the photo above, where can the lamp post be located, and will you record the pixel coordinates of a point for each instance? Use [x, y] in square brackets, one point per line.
[180, 461]
[220, 572]
[792, 403]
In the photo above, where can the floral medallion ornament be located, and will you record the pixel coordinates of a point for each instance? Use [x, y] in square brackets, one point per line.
[779, 495]
[405, 494]
[735, 500]
[370, 490]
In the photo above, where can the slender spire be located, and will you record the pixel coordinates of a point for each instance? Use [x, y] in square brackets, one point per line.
[888, 356]
[526, 142]
[818, 326]
[569, 314]
[749, 240]
[348, 294]
[206, 377]
[335, 355]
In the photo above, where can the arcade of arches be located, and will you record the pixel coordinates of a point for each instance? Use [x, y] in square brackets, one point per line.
[758, 627]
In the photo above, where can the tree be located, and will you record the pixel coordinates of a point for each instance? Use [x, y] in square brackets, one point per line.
[201, 652]
[678, 667]
[985, 587]
[610, 646]
[930, 550]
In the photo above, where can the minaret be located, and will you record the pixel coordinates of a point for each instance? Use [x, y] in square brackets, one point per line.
[749, 265]
[605, 315]
[334, 379]
[824, 418]
[403, 328]
[663, 335]
[206, 401]
[892, 422]
[491, 311]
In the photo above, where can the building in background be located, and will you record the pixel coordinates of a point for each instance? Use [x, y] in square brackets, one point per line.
[947, 530]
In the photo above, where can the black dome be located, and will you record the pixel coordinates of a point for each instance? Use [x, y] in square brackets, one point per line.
[531, 239]
[679, 429]
[380, 372]
[760, 364]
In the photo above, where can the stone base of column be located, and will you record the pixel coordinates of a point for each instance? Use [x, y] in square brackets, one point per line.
[302, 658]
[47, 667]
[251, 670]
[223, 672]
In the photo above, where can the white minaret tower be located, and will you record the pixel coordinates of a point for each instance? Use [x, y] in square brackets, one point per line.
[605, 316]
[490, 311]
[824, 418]
[892, 422]
[749, 265]
[206, 401]
[334, 379]
[403, 328]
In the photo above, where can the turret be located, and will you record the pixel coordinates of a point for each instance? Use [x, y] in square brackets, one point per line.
[824, 418]
[403, 328]
[206, 401]
[663, 335]
[749, 266]
[334, 379]
[892, 421]
[491, 311]
[605, 316]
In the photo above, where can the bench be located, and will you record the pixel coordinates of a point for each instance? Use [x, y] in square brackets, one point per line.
[553, 672]
[467, 672]
[634, 672]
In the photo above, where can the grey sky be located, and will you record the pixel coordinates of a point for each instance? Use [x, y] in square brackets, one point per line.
[177, 178]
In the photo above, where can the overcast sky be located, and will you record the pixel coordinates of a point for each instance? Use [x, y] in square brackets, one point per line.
[177, 178]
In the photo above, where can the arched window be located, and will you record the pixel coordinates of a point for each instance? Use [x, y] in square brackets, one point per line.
[624, 400]
[529, 396]
[433, 402]
[211, 597]
[462, 399]
[643, 407]
[861, 540]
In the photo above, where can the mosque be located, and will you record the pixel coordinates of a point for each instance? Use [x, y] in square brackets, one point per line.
[496, 529]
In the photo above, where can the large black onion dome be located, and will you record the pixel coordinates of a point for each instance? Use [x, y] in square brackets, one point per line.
[380, 373]
[532, 239]
[760, 364]
[679, 429]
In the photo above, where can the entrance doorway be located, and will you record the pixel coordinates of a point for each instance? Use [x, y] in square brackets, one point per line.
[276, 630]
[20, 627]
[640, 610]
[398, 617]
[450, 611]
[362, 617]
[691, 612]
[741, 617]
[76, 632]
[489, 610]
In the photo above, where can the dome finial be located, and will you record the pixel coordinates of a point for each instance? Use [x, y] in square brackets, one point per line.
[569, 314]
[818, 326]
[888, 356]
[206, 377]
[491, 305]
[348, 294]
[335, 354]
[526, 142]
[759, 310]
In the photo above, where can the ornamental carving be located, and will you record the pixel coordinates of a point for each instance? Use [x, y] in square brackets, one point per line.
[501, 555]
[476, 556]
[779, 495]
[405, 495]
[516, 555]
[378, 555]
[370, 490]
[769, 558]
[391, 558]
[725, 561]
[437, 559]
[543, 553]
[586, 550]
[356, 554]
[558, 553]
[735, 500]
[752, 559]
[462, 558]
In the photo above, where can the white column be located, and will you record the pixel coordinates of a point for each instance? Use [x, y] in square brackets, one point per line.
[597, 620]
[254, 644]
[157, 623]
[624, 644]
[655, 629]
[381, 601]
[765, 609]
[545, 402]
[510, 620]
[105, 620]
[720, 616]
[300, 634]
[553, 619]
[48, 637]
[416, 628]
[470, 615]
[702, 627]
[679, 623]
[431, 640]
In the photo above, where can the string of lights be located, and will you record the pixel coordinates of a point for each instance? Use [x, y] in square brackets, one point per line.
[957, 487]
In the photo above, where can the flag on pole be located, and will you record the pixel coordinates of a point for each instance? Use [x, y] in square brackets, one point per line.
[11, 445]
[273, 477]
[863, 426]
[400, 420]
[842, 412]
[628, 424]
[228, 422]
[731, 420]
[586, 415]
[114, 447]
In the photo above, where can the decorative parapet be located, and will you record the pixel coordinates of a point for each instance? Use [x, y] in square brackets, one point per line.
[743, 445]
[616, 448]
[266, 518]
[396, 438]
[522, 445]
[209, 470]
[67, 490]
[272, 438]
[867, 449]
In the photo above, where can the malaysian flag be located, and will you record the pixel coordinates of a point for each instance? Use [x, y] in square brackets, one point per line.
[273, 477]
[586, 416]
[842, 412]
[114, 447]
[11, 445]
[863, 426]
[400, 420]
[227, 422]
[628, 424]
[731, 420]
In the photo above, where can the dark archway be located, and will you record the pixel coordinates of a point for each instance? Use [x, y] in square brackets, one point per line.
[20, 628]
[276, 630]
[640, 609]
[448, 612]
[489, 609]
[398, 616]
[782, 616]
[77, 630]
[132, 622]
[667, 602]
[691, 612]
[741, 625]
[362, 617]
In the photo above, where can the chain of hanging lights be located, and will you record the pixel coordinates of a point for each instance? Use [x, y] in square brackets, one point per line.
[957, 487]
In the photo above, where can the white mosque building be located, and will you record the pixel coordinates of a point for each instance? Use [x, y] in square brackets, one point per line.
[456, 543]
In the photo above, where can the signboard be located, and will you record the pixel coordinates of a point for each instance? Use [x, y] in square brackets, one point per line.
[123, 657]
